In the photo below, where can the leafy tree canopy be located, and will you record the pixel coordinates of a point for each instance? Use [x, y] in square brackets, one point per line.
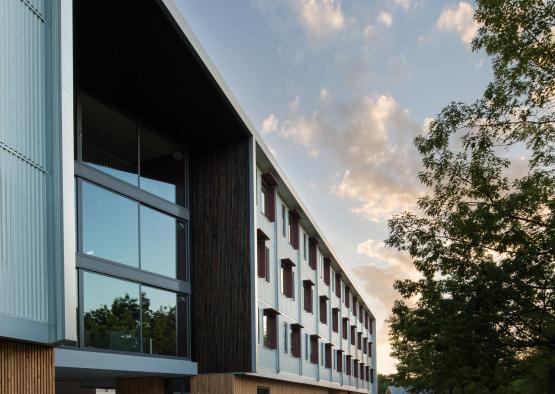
[483, 238]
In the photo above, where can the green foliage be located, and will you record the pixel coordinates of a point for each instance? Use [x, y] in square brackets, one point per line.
[384, 382]
[483, 312]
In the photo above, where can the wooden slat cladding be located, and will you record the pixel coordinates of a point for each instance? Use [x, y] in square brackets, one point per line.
[146, 385]
[233, 384]
[26, 368]
[220, 254]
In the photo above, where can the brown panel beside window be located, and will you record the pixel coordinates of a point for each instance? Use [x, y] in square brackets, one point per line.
[361, 371]
[345, 328]
[308, 295]
[353, 335]
[355, 368]
[287, 278]
[270, 328]
[269, 184]
[327, 268]
[348, 363]
[347, 296]
[339, 361]
[328, 355]
[324, 309]
[335, 319]
[296, 340]
[261, 239]
[359, 341]
[365, 345]
[312, 252]
[294, 218]
[338, 285]
[314, 349]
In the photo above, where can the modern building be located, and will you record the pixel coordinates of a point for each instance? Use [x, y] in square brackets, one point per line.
[149, 242]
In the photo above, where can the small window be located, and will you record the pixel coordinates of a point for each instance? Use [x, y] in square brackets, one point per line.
[264, 192]
[335, 320]
[267, 264]
[353, 335]
[283, 221]
[295, 340]
[262, 390]
[306, 345]
[345, 330]
[305, 247]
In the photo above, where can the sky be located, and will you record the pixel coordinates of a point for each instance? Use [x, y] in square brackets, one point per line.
[338, 90]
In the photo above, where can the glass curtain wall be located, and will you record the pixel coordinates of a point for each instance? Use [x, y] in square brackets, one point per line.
[133, 236]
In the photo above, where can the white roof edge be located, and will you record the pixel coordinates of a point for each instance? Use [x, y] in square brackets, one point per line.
[173, 9]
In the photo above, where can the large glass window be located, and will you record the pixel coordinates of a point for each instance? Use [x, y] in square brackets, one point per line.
[163, 322]
[162, 244]
[116, 318]
[162, 167]
[110, 228]
[109, 141]
[109, 225]
[119, 146]
[138, 218]
[111, 310]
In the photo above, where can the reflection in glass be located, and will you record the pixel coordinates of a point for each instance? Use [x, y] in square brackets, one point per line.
[109, 141]
[110, 225]
[162, 327]
[111, 313]
[162, 244]
[162, 167]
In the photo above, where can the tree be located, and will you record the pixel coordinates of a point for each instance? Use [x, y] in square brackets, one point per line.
[384, 381]
[483, 238]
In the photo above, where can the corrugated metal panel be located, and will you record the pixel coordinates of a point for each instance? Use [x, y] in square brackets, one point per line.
[22, 80]
[23, 160]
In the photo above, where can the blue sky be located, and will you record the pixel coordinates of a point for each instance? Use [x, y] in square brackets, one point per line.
[338, 90]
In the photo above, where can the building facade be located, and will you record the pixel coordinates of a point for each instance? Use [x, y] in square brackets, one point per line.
[149, 242]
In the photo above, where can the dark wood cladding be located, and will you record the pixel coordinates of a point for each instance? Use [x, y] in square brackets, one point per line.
[26, 368]
[220, 258]
[143, 385]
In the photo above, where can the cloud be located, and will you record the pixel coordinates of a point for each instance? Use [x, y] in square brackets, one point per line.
[270, 124]
[371, 136]
[319, 17]
[368, 32]
[324, 93]
[406, 4]
[459, 19]
[385, 266]
[385, 18]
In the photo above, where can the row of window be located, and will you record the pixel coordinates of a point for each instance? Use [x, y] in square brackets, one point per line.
[291, 230]
[292, 341]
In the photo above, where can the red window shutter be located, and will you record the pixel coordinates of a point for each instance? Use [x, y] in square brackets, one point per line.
[353, 335]
[314, 349]
[338, 285]
[271, 182]
[335, 320]
[345, 328]
[348, 363]
[294, 217]
[328, 355]
[339, 362]
[308, 296]
[312, 252]
[324, 309]
[296, 340]
[347, 297]
[354, 306]
[327, 263]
